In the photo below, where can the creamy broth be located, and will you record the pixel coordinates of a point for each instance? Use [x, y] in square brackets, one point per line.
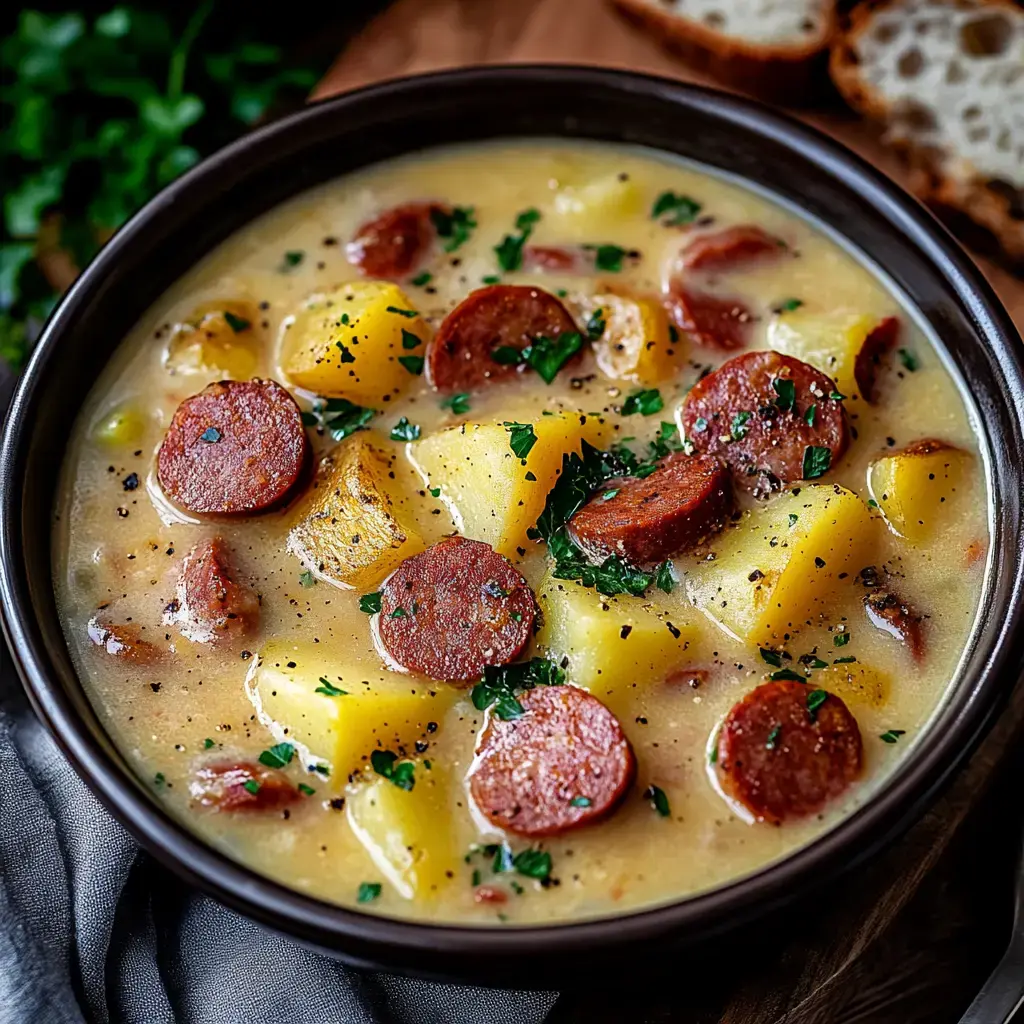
[119, 545]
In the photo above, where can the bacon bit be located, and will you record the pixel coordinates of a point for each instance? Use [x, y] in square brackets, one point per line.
[122, 641]
[490, 894]
[730, 248]
[880, 340]
[974, 553]
[691, 677]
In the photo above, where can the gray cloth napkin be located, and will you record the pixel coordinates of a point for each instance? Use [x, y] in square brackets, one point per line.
[93, 929]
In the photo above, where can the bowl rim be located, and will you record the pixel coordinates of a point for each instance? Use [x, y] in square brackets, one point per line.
[364, 938]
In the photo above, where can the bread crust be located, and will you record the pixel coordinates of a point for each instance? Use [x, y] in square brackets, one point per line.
[992, 215]
[789, 74]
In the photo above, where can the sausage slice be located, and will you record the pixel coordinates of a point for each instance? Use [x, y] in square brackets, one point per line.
[755, 413]
[236, 448]
[211, 606]
[647, 520]
[565, 763]
[891, 614]
[783, 752]
[731, 249]
[710, 320]
[393, 244]
[242, 786]
[453, 609]
[123, 641]
[501, 316]
[878, 342]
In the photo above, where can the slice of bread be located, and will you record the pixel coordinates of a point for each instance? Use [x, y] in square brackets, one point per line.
[774, 49]
[945, 80]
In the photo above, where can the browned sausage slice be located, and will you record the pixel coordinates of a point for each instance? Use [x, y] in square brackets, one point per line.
[710, 320]
[784, 751]
[242, 786]
[393, 244]
[123, 640]
[461, 355]
[650, 519]
[566, 762]
[865, 369]
[731, 249]
[211, 606]
[742, 413]
[453, 609]
[238, 447]
[891, 614]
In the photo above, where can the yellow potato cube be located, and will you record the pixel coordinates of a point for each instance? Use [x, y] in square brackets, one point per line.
[829, 341]
[592, 211]
[775, 570]
[916, 487]
[615, 646]
[350, 531]
[635, 344]
[220, 338]
[855, 683]
[404, 831]
[356, 342]
[294, 690]
[492, 495]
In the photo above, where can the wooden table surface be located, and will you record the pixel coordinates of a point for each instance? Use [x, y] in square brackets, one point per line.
[910, 937]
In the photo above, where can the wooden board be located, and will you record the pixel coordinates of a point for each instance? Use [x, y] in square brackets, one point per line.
[913, 935]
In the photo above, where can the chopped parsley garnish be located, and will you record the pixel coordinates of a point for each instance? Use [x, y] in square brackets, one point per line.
[401, 773]
[738, 429]
[849, 659]
[675, 210]
[435, 492]
[370, 603]
[453, 228]
[399, 613]
[278, 755]
[490, 279]
[236, 323]
[307, 579]
[291, 260]
[793, 519]
[501, 683]
[892, 735]
[773, 737]
[663, 578]
[338, 416]
[810, 414]
[533, 864]
[410, 313]
[786, 674]
[837, 396]
[785, 393]
[410, 340]
[908, 359]
[414, 364]
[545, 355]
[580, 801]
[211, 435]
[320, 768]
[872, 503]
[403, 430]
[159, 779]
[608, 258]
[458, 404]
[521, 438]
[507, 355]
[771, 657]
[596, 325]
[841, 639]
[788, 305]
[207, 743]
[510, 249]
[251, 786]
[306, 790]
[613, 576]
[816, 461]
[647, 402]
[814, 701]
[422, 279]
[608, 495]
[368, 892]
[658, 800]
[328, 688]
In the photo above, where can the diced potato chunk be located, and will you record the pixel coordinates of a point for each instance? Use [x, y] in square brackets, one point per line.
[219, 338]
[635, 344]
[829, 341]
[120, 427]
[615, 646]
[855, 683]
[775, 570]
[404, 830]
[349, 343]
[350, 531]
[916, 487]
[492, 495]
[292, 688]
[592, 211]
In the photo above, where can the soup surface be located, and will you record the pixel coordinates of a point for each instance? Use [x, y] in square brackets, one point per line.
[723, 529]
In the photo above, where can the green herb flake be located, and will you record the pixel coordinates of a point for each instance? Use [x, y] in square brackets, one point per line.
[580, 801]
[872, 503]
[787, 305]
[608, 258]
[370, 603]
[770, 657]
[368, 892]
[490, 279]
[785, 393]
[410, 340]
[738, 429]
[548, 355]
[399, 613]
[793, 519]
[510, 249]
[403, 430]
[307, 579]
[435, 492]
[420, 280]
[338, 416]
[278, 755]
[236, 323]
[787, 674]
[211, 435]
[663, 577]
[848, 660]
[816, 461]
[841, 639]
[658, 799]
[498, 689]
[837, 396]
[608, 495]
[521, 438]
[453, 227]
[675, 210]
[328, 689]
[533, 864]
[892, 735]
[507, 355]
[773, 737]
[251, 786]
[815, 699]
[306, 790]
[908, 360]
[458, 404]
[207, 743]
[596, 325]
[401, 773]
[411, 314]
[647, 402]
[159, 779]
[414, 364]
[810, 414]
[291, 260]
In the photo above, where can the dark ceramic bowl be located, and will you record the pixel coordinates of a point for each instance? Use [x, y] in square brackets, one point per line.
[328, 139]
